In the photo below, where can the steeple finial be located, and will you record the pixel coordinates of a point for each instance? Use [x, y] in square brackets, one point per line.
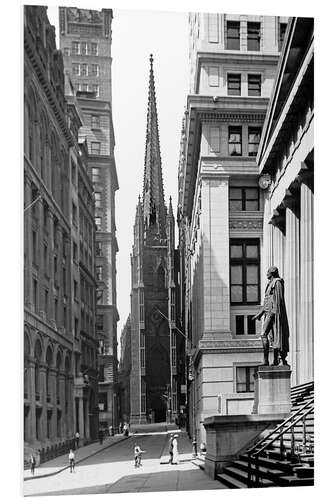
[154, 209]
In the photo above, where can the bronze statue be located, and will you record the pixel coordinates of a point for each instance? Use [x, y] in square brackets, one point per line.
[275, 329]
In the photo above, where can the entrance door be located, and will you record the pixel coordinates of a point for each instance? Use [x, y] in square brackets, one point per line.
[160, 415]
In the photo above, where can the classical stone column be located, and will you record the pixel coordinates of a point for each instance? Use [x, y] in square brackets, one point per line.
[278, 247]
[62, 404]
[43, 418]
[71, 413]
[306, 281]
[51, 272]
[31, 371]
[53, 376]
[291, 277]
[81, 418]
[87, 419]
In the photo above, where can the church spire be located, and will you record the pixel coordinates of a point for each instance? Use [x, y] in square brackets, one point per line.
[154, 209]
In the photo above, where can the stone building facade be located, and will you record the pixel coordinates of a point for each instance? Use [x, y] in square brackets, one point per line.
[286, 164]
[50, 149]
[156, 373]
[125, 372]
[85, 41]
[233, 62]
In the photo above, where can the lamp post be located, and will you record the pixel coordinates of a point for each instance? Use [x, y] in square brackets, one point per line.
[191, 379]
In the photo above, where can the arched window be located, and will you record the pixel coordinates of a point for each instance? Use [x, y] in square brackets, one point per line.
[58, 378]
[26, 364]
[160, 277]
[43, 145]
[38, 358]
[49, 359]
[67, 371]
[31, 119]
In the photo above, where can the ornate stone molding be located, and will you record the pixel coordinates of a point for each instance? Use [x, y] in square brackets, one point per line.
[247, 224]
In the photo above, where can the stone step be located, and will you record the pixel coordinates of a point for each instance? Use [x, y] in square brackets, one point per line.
[273, 464]
[230, 482]
[296, 481]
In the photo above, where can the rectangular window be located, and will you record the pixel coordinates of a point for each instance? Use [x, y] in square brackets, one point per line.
[213, 76]
[234, 84]
[75, 48]
[254, 139]
[76, 328]
[101, 376]
[235, 141]
[240, 325]
[96, 175]
[98, 199]
[233, 35]
[93, 47]
[95, 148]
[46, 302]
[73, 169]
[99, 322]
[94, 70]
[98, 222]
[244, 271]
[254, 85]
[84, 87]
[45, 259]
[34, 294]
[84, 48]
[74, 251]
[95, 88]
[34, 247]
[282, 32]
[251, 325]
[243, 199]
[215, 139]
[75, 290]
[99, 248]
[244, 378]
[141, 305]
[95, 122]
[99, 273]
[75, 69]
[253, 36]
[74, 215]
[83, 69]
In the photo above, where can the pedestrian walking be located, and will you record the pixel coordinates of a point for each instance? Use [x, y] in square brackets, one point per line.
[171, 449]
[120, 428]
[32, 464]
[71, 459]
[138, 455]
[126, 429]
[175, 450]
[77, 439]
[101, 436]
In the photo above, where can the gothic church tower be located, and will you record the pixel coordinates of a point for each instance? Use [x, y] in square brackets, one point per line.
[154, 386]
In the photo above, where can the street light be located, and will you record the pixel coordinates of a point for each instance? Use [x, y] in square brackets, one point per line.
[190, 378]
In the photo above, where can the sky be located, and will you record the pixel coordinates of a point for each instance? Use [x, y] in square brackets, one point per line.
[136, 35]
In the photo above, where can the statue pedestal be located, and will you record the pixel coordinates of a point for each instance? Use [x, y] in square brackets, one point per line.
[272, 390]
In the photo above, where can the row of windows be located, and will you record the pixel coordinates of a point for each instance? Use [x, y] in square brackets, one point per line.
[83, 69]
[253, 84]
[85, 87]
[82, 48]
[253, 35]
[235, 147]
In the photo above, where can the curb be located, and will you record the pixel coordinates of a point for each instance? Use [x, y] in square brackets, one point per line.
[78, 461]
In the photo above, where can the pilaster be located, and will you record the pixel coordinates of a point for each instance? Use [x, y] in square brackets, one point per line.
[306, 281]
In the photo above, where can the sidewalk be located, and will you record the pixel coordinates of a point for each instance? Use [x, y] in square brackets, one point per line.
[184, 448]
[60, 463]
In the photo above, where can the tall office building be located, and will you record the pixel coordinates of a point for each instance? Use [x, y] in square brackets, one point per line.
[85, 41]
[233, 61]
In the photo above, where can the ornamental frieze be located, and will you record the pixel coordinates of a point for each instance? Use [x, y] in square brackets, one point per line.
[247, 224]
[232, 117]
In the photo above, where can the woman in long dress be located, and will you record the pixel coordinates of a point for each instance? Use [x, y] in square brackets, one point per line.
[175, 450]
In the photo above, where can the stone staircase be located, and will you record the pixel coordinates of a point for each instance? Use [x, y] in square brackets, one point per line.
[285, 457]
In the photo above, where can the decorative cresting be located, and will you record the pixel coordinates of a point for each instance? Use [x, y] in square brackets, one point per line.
[154, 209]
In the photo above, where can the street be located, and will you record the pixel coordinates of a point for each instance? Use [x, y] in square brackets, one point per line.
[112, 471]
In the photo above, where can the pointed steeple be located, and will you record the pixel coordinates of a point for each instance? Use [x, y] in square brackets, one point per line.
[154, 209]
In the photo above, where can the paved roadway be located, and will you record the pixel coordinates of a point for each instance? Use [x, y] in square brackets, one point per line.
[112, 471]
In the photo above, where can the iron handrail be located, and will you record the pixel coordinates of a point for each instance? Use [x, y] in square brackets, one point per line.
[311, 401]
[283, 432]
[254, 457]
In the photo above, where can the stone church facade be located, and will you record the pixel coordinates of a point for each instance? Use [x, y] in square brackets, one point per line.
[156, 361]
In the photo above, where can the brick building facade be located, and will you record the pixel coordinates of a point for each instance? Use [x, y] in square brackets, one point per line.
[85, 41]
